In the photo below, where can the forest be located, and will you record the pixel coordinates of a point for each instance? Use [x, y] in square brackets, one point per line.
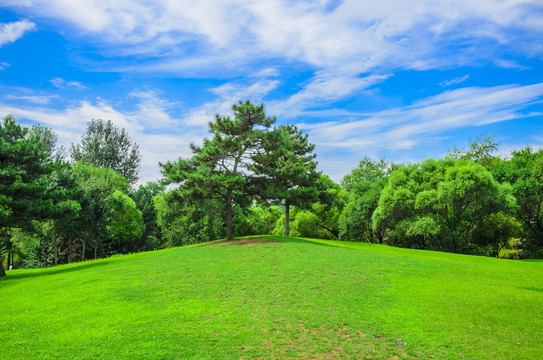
[254, 177]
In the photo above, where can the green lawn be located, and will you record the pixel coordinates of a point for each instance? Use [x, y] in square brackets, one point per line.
[309, 299]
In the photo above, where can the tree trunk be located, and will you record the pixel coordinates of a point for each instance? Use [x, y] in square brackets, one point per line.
[287, 218]
[45, 253]
[10, 260]
[229, 233]
[55, 249]
[70, 251]
[95, 246]
[84, 245]
[2, 271]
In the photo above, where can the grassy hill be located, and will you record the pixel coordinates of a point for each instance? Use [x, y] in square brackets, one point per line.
[276, 298]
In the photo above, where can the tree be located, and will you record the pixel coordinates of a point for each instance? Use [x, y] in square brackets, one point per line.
[143, 197]
[262, 219]
[220, 168]
[183, 221]
[303, 223]
[438, 204]
[49, 141]
[68, 226]
[364, 184]
[124, 222]
[328, 210]
[286, 169]
[479, 150]
[105, 145]
[495, 233]
[98, 185]
[524, 171]
[25, 195]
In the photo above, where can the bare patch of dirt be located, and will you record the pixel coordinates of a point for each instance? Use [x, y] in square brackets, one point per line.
[243, 242]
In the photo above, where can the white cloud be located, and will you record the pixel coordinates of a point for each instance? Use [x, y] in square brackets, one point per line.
[63, 84]
[454, 81]
[4, 65]
[388, 34]
[152, 110]
[347, 46]
[228, 94]
[444, 112]
[400, 129]
[35, 99]
[11, 32]
[324, 88]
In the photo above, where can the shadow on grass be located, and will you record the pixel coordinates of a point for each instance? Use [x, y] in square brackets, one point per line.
[30, 273]
[532, 288]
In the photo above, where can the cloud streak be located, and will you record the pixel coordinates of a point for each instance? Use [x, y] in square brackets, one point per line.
[60, 83]
[11, 32]
[420, 123]
[454, 81]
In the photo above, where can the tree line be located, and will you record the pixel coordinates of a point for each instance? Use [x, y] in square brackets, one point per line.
[253, 177]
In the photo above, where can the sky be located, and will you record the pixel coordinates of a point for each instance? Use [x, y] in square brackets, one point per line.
[399, 79]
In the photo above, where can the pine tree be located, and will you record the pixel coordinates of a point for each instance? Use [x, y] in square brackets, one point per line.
[25, 195]
[286, 169]
[220, 168]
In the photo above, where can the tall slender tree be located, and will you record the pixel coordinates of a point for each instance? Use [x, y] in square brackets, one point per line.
[220, 168]
[105, 145]
[286, 169]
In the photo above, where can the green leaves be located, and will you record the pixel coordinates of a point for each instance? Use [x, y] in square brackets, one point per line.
[105, 145]
[221, 167]
[24, 162]
[125, 221]
[437, 204]
[524, 171]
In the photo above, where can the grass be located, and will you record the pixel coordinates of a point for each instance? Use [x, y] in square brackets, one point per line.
[295, 298]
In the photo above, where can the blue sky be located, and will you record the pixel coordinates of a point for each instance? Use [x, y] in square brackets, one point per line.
[404, 80]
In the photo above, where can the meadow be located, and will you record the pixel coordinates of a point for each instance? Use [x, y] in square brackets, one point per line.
[273, 298]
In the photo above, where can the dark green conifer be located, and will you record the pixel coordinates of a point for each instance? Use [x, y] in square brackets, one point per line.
[220, 168]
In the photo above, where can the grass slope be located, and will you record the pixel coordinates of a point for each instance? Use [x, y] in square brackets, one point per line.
[294, 298]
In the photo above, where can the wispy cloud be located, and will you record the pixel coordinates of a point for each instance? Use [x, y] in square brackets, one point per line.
[63, 84]
[4, 65]
[454, 81]
[324, 88]
[366, 41]
[35, 99]
[389, 34]
[447, 111]
[153, 111]
[341, 143]
[11, 32]
[227, 95]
